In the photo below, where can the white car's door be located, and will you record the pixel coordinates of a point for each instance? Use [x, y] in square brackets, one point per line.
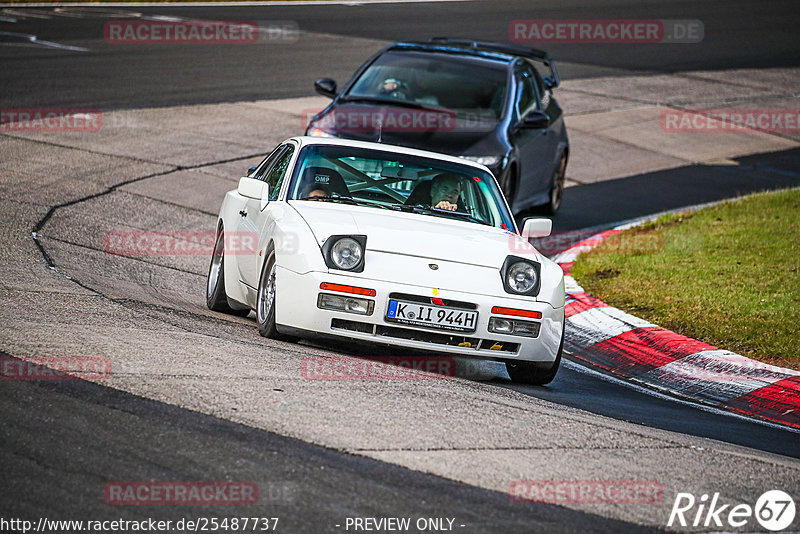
[253, 222]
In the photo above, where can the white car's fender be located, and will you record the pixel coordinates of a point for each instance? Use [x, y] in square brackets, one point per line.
[552, 284]
[295, 245]
[227, 213]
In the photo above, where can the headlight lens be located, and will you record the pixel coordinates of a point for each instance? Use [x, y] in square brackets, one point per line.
[346, 253]
[484, 160]
[521, 277]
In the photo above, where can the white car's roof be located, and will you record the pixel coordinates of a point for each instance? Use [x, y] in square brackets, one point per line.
[309, 140]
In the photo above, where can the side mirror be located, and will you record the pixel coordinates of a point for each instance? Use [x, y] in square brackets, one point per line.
[535, 120]
[550, 82]
[536, 227]
[250, 187]
[255, 189]
[326, 87]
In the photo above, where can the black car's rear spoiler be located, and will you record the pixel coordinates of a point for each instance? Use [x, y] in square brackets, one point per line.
[530, 53]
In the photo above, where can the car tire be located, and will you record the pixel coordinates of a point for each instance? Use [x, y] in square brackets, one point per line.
[533, 372]
[557, 186]
[216, 297]
[266, 298]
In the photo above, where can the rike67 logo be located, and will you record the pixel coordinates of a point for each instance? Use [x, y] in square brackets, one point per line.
[774, 510]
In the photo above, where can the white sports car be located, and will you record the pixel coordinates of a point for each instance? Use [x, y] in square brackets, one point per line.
[390, 245]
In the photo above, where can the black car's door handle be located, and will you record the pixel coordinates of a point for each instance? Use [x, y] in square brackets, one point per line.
[243, 213]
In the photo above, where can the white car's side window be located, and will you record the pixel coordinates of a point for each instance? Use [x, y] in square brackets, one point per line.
[277, 172]
[267, 163]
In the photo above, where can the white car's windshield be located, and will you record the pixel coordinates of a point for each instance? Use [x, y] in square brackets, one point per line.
[386, 180]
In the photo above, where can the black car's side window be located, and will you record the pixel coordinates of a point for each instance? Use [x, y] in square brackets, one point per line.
[527, 99]
[544, 94]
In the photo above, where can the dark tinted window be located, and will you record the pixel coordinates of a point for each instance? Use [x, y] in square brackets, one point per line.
[527, 99]
[265, 165]
[277, 172]
[539, 83]
[435, 80]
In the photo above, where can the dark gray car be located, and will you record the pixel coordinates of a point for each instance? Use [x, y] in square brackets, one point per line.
[488, 102]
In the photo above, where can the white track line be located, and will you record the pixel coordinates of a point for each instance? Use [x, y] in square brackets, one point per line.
[36, 41]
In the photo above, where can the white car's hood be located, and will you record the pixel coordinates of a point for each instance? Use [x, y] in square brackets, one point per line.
[413, 234]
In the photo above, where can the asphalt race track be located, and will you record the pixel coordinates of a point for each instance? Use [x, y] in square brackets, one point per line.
[196, 395]
[198, 447]
[737, 36]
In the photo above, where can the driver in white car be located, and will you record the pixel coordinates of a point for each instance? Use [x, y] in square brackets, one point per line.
[313, 191]
[445, 192]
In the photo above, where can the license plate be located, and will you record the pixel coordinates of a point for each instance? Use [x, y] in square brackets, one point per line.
[439, 317]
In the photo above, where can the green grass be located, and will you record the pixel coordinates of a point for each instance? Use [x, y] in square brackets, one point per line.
[726, 275]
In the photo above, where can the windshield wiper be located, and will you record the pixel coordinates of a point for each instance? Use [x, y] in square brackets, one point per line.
[426, 209]
[348, 200]
[423, 209]
[393, 102]
[338, 198]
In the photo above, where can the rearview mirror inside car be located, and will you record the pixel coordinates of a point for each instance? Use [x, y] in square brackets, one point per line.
[325, 87]
[536, 227]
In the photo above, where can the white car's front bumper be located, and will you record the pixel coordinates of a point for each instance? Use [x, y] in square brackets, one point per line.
[296, 310]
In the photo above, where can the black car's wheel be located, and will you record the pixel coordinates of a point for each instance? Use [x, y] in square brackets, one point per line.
[557, 186]
[533, 372]
[216, 298]
[265, 301]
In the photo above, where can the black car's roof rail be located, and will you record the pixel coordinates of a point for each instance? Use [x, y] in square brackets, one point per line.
[533, 53]
[530, 53]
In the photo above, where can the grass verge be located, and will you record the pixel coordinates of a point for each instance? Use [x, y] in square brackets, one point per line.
[726, 275]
